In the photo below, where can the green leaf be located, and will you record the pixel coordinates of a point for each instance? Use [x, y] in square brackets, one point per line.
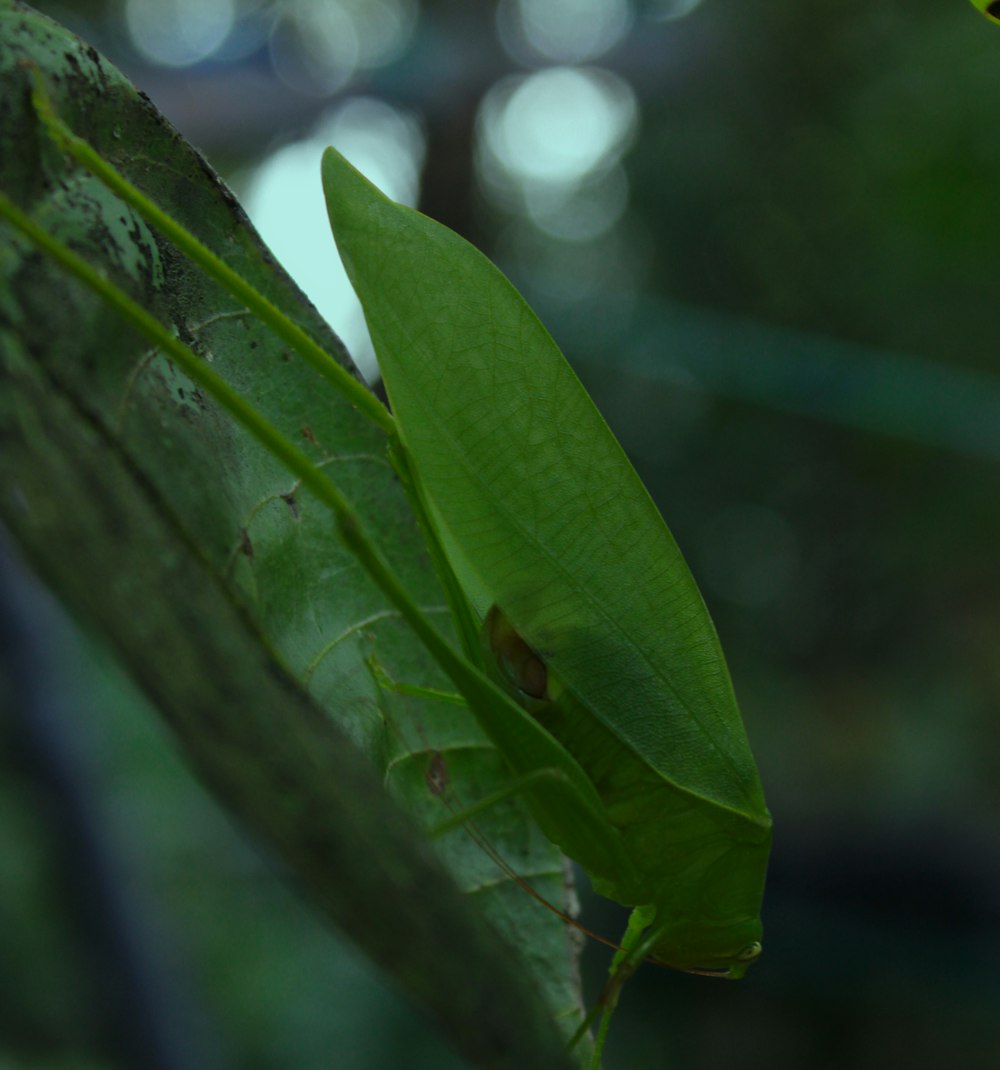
[222, 586]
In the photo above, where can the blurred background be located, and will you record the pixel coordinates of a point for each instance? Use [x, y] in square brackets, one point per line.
[767, 237]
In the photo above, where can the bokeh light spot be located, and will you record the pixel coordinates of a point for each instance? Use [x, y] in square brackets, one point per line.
[317, 47]
[550, 145]
[179, 33]
[285, 202]
[559, 124]
[567, 31]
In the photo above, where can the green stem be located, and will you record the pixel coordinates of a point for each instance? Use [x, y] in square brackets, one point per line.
[213, 266]
[242, 411]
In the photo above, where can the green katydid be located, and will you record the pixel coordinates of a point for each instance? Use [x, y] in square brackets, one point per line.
[558, 547]
[627, 738]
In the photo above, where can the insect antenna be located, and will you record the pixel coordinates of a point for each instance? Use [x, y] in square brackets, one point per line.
[438, 785]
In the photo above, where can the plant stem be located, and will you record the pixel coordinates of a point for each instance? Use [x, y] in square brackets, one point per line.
[213, 266]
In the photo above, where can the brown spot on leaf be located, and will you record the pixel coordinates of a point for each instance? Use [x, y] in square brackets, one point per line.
[437, 774]
[293, 505]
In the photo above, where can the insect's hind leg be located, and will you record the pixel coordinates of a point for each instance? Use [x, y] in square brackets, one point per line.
[390, 684]
[514, 788]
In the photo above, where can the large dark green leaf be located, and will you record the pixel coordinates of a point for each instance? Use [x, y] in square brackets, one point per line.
[222, 586]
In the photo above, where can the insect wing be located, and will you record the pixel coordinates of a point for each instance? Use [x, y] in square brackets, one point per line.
[538, 507]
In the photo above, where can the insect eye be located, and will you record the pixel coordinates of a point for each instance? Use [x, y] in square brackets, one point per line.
[993, 10]
[751, 951]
